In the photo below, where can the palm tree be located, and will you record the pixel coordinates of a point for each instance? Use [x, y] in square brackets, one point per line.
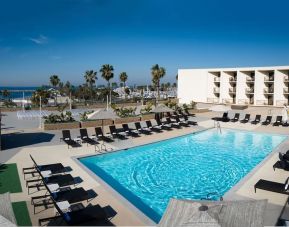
[54, 80]
[157, 73]
[123, 78]
[107, 74]
[90, 79]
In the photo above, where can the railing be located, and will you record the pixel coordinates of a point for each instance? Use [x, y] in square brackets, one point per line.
[249, 90]
[216, 90]
[232, 79]
[268, 90]
[217, 79]
[269, 79]
[232, 90]
[250, 79]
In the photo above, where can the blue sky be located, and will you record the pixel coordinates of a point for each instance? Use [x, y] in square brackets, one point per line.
[39, 38]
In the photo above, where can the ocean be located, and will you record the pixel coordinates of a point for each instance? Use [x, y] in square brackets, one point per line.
[17, 92]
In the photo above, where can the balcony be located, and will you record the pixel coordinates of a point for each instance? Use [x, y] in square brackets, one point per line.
[286, 91]
[232, 90]
[217, 79]
[250, 79]
[286, 79]
[268, 90]
[249, 91]
[269, 79]
[216, 90]
[233, 79]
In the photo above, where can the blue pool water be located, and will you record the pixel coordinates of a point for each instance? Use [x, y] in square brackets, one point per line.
[187, 167]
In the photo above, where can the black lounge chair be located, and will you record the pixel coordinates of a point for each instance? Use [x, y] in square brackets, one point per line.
[117, 133]
[129, 131]
[282, 163]
[86, 139]
[182, 123]
[188, 114]
[224, 118]
[190, 122]
[272, 186]
[246, 119]
[170, 115]
[66, 138]
[278, 121]
[257, 119]
[172, 123]
[267, 120]
[74, 195]
[155, 128]
[142, 130]
[236, 117]
[99, 135]
[54, 168]
[78, 217]
[163, 125]
[61, 180]
[182, 114]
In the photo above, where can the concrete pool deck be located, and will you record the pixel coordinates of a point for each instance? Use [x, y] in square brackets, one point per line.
[53, 151]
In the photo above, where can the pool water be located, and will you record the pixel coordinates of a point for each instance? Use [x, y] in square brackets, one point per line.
[187, 167]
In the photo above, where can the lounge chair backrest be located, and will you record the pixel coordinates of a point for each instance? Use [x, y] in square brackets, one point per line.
[177, 119]
[66, 135]
[225, 115]
[258, 117]
[83, 133]
[98, 131]
[247, 116]
[169, 114]
[112, 128]
[186, 117]
[237, 115]
[281, 157]
[137, 125]
[268, 119]
[125, 127]
[278, 118]
[149, 124]
[168, 120]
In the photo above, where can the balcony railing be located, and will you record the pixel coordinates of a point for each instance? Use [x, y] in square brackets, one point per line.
[269, 79]
[249, 90]
[268, 90]
[217, 79]
[216, 90]
[233, 79]
[232, 90]
[250, 79]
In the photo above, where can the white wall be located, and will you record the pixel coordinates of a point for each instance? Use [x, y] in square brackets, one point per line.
[192, 85]
[241, 87]
[198, 84]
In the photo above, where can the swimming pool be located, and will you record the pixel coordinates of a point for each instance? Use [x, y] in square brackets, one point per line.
[188, 167]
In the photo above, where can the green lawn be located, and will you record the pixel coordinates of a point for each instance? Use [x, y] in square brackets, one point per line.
[9, 179]
[21, 214]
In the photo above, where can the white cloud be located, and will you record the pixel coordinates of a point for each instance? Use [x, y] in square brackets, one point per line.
[41, 39]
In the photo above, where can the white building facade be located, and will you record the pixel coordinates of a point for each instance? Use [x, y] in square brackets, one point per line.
[258, 86]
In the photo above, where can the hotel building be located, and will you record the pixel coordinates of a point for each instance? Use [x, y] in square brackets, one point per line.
[258, 86]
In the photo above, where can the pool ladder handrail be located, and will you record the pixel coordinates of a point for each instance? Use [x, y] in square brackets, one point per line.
[218, 126]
